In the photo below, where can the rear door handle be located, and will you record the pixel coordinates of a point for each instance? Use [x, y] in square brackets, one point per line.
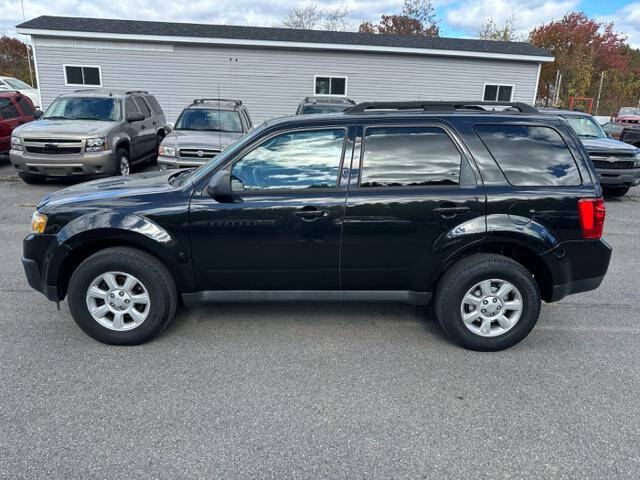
[310, 214]
[450, 212]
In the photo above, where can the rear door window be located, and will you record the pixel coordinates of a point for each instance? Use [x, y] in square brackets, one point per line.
[7, 109]
[530, 155]
[409, 157]
[25, 106]
[130, 107]
[153, 103]
[142, 106]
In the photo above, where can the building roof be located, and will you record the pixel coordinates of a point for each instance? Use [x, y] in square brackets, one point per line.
[284, 37]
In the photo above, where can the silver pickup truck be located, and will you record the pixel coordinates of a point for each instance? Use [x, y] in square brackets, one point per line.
[89, 133]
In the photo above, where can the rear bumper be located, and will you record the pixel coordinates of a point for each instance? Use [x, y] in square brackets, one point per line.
[627, 178]
[577, 266]
[95, 163]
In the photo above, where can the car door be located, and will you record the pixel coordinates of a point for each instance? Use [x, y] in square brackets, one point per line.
[412, 192]
[147, 133]
[26, 108]
[10, 118]
[134, 128]
[281, 228]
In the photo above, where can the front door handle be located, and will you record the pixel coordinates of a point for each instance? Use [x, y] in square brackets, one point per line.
[450, 212]
[311, 214]
[142, 127]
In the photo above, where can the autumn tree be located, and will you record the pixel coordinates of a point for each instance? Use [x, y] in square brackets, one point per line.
[506, 32]
[418, 18]
[13, 59]
[582, 48]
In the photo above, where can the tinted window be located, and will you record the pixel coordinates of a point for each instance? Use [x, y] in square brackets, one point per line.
[294, 160]
[130, 107]
[211, 120]
[26, 106]
[155, 106]
[409, 156]
[142, 106]
[307, 109]
[8, 109]
[84, 108]
[530, 155]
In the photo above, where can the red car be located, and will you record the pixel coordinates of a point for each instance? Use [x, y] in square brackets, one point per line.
[627, 116]
[15, 109]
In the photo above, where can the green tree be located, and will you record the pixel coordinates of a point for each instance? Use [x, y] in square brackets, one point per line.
[503, 33]
[418, 18]
[13, 59]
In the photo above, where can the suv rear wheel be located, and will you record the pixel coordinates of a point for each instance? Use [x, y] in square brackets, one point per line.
[615, 191]
[487, 302]
[122, 296]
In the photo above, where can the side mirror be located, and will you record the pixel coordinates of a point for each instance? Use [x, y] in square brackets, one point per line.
[220, 184]
[37, 113]
[135, 117]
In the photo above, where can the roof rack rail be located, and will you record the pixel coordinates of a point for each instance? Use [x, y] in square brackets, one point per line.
[219, 100]
[129, 92]
[318, 98]
[444, 106]
[97, 89]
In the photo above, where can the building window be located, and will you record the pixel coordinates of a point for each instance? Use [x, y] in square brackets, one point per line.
[498, 93]
[330, 86]
[81, 75]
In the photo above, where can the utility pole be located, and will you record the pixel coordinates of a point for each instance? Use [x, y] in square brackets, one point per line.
[599, 91]
[28, 53]
[555, 102]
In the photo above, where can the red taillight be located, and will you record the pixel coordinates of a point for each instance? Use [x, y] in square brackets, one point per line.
[591, 212]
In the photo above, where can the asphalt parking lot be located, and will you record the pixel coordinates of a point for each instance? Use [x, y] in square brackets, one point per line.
[319, 391]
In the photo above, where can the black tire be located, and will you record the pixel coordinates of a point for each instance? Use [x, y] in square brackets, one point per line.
[148, 270]
[615, 191]
[466, 273]
[32, 179]
[120, 153]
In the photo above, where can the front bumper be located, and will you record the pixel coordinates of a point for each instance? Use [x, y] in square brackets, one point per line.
[617, 177]
[170, 163]
[93, 163]
[40, 260]
[577, 266]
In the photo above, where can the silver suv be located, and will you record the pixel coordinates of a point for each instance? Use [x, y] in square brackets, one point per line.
[202, 131]
[89, 133]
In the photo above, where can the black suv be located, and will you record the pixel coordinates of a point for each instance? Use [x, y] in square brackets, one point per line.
[319, 104]
[486, 212]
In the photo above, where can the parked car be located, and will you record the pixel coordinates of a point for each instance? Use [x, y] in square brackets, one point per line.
[15, 109]
[321, 104]
[627, 116]
[202, 131]
[89, 133]
[617, 163]
[485, 212]
[10, 83]
[626, 134]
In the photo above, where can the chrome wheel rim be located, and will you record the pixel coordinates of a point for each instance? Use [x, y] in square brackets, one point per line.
[118, 301]
[491, 307]
[124, 165]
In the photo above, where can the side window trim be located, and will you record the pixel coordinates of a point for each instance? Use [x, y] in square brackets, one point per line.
[457, 143]
[295, 191]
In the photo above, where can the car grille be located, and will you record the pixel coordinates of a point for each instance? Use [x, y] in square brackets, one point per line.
[204, 153]
[612, 165]
[52, 146]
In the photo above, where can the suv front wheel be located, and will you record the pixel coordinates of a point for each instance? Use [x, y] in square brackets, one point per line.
[123, 162]
[122, 296]
[487, 302]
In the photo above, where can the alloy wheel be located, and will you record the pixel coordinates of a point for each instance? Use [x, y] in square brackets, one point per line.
[491, 307]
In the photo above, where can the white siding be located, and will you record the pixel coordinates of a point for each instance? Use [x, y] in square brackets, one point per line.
[271, 82]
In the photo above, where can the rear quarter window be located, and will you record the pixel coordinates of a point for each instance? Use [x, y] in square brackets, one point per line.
[530, 155]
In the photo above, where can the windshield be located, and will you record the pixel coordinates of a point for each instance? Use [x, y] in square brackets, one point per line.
[209, 120]
[585, 127]
[84, 108]
[629, 111]
[17, 84]
[196, 174]
[324, 109]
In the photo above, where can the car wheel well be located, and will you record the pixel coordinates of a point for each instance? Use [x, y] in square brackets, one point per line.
[81, 253]
[519, 253]
[124, 144]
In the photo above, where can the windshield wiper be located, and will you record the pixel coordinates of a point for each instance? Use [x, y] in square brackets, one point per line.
[58, 117]
[91, 118]
[589, 135]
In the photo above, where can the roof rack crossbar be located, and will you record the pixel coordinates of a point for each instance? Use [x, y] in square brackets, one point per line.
[135, 91]
[318, 98]
[444, 106]
[219, 100]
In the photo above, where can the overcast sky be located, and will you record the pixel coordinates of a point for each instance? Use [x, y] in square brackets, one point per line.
[458, 18]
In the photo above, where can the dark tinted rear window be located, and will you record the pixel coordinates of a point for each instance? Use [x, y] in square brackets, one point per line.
[142, 106]
[529, 155]
[26, 106]
[155, 106]
[409, 156]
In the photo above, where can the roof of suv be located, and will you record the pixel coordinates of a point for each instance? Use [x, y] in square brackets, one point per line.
[103, 92]
[559, 111]
[216, 103]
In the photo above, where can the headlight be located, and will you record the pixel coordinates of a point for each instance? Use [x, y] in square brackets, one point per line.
[16, 143]
[96, 144]
[167, 151]
[38, 222]
[636, 157]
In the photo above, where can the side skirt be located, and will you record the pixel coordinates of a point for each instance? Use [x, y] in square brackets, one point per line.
[278, 296]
